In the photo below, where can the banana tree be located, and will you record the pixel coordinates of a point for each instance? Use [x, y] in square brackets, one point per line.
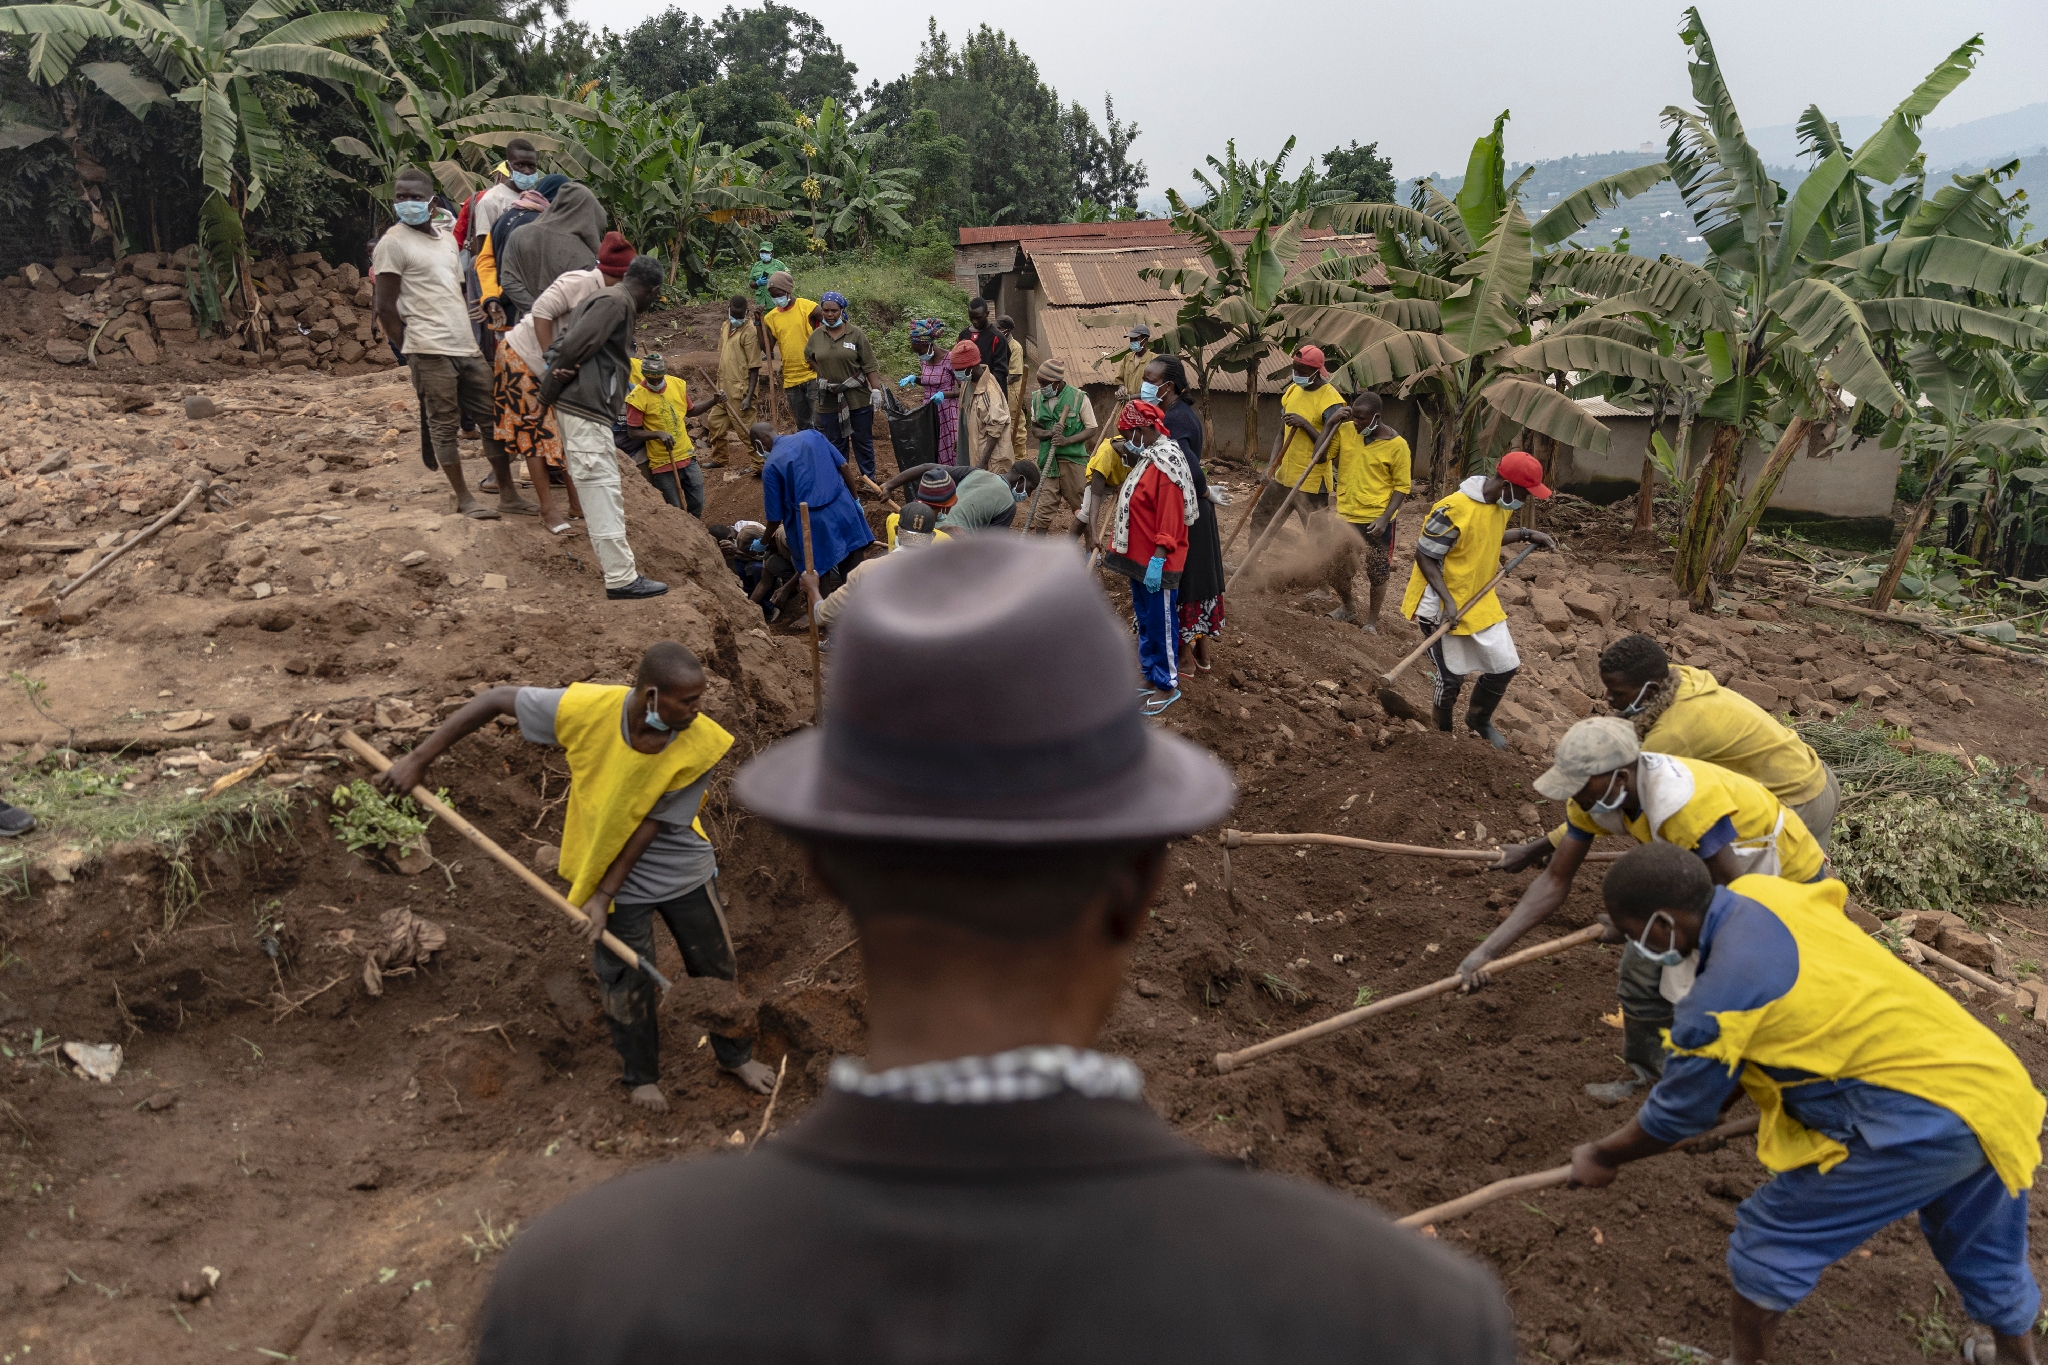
[826, 161]
[62, 110]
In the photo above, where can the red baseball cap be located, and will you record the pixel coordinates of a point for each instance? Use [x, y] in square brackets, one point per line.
[1524, 471]
[1310, 355]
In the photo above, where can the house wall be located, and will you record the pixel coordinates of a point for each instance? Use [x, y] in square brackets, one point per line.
[1858, 482]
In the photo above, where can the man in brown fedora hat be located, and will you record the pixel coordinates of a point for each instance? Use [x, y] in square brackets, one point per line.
[982, 1185]
[1062, 421]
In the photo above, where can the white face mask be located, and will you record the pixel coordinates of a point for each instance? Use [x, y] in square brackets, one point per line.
[1605, 806]
[1675, 983]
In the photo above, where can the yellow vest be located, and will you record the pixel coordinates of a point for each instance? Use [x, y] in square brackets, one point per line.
[1310, 404]
[1369, 474]
[612, 785]
[1473, 560]
[667, 412]
[1109, 464]
[1683, 798]
[1858, 1013]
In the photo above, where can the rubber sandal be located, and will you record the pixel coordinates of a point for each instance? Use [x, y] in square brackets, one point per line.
[1153, 708]
[481, 513]
[563, 530]
[522, 508]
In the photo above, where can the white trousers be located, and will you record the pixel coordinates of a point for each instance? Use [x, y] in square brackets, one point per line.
[588, 452]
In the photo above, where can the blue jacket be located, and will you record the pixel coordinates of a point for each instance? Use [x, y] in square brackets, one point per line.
[804, 468]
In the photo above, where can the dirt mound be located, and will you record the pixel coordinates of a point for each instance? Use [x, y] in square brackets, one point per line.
[350, 1165]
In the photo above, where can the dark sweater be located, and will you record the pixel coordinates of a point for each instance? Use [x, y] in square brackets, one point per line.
[1063, 1230]
[597, 337]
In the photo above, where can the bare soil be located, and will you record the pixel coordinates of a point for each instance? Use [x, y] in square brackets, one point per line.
[350, 1165]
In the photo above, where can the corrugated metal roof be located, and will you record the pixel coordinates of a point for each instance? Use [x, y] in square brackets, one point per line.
[1089, 341]
[1096, 275]
[1600, 407]
[1034, 232]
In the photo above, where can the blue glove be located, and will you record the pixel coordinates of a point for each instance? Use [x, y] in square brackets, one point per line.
[906, 381]
[1154, 573]
[756, 548]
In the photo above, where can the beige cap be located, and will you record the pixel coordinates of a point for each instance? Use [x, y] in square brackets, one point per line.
[1598, 744]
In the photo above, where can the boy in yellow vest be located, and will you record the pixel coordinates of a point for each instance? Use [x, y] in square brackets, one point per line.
[657, 437]
[1880, 1096]
[1374, 469]
[1456, 555]
[1309, 401]
[633, 849]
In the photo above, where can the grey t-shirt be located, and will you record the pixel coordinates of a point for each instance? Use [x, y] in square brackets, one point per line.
[679, 860]
[983, 498]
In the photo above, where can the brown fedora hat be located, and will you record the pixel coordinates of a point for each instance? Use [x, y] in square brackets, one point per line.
[1054, 753]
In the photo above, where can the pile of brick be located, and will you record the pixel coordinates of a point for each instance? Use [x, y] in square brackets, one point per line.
[138, 311]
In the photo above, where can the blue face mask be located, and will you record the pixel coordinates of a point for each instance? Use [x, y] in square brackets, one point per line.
[1606, 807]
[1512, 504]
[1148, 392]
[766, 254]
[525, 180]
[1306, 381]
[1137, 348]
[1670, 956]
[654, 720]
[413, 212]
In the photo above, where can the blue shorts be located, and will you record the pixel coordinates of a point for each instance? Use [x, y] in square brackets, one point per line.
[1802, 1222]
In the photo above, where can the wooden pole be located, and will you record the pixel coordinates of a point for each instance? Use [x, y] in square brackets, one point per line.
[803, 511]
[1257, 489]
[1237, 838]
[198, 487]
[1251, 556]
[1230, 1061]
[1543, 1180]
[518, 869]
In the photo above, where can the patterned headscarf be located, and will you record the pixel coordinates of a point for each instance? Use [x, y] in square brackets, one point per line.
[927, 329]
[835, 298]
[1139, 413]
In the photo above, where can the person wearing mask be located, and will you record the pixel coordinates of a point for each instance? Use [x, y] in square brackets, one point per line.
[1881, 1098]
[633, 848]
[524, 424]
[1154, 509]
[935, 379]
[657, 438]
[789, 321]
[1014, 383]
[982, 1185]
[1200, 592]
[420, 305]
[1062, 421]
[970, 499]
[985, 415]
[739, 372]
[916, 527]
[588, 376]
[990, 341]
[1373, 474]
[500, 312]
[1456, 555]
[517, 173]
[566, 236]
[1132, 360]
[1307, 402]
[767, 265]
[849, 381]
[465, 236]
[1610, 786]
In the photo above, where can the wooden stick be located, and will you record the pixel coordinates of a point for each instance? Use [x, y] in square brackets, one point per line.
[773, 1095]
[1940, 959]
[520, 870]
[1251, 556]
[1542, 1180]
[1930, 626]
[198, 487]
[1230, 1061]
[1252, 504]
[803, 510]
[1237, 838]
[1444, 629]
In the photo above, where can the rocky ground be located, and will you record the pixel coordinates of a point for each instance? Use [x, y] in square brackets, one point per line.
[290, 1165]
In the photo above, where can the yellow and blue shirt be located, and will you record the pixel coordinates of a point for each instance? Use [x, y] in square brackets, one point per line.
[1696, 805]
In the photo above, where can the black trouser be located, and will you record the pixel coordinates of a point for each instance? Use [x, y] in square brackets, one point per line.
[802, 400]
[696, 920]
[861, 421]
[1486, 694]
[680, 486]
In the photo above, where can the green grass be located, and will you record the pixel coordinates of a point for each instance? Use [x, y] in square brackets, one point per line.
[83, 806]
[1919, 832]
[887, 288]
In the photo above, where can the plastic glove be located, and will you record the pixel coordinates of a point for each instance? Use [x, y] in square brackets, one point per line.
[906, 381]
[1155, 572]
[875, 397]
[756, 547]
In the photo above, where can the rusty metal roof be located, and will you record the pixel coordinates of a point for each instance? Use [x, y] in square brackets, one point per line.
[1089, 341]
[1034, 232]
[1097, 274]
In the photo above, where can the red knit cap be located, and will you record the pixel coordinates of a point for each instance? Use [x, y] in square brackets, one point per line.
[965, 356]
[615, 253]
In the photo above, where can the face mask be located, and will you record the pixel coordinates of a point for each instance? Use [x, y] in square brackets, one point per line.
[1666, 957]
[738, 318]
[961, 376]
[525, 180]
[413, 212]
[1606, 807]
[1365, 433]
[1637, 705]
[766, 254]
[1137, 348]
[1512, 504]
[1307, 381]
[835, 324]
[779, 300]
[1675, 983]
[654, 720]
[655, 382]
[1148, 393]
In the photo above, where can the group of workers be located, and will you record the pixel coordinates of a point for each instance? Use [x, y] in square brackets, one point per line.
[997, 896]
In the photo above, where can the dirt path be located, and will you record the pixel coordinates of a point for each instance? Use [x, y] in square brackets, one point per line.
[350, 1165]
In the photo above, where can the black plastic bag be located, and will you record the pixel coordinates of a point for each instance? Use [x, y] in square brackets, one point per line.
[913, 434]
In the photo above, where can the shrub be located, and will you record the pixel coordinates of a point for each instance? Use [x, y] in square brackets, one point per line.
[367, 818]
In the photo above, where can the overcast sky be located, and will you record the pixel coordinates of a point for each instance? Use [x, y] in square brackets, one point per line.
[1424, 80]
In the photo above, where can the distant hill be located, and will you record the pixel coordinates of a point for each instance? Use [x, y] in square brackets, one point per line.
[1656, 219]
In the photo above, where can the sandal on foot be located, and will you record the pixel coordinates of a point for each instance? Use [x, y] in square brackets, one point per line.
[519, 507]
[481, 513]
[562, 530]
[1160, 701]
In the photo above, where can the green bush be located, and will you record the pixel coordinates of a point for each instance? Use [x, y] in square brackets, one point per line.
[1921, 832]
[367, 818]
[888, 288]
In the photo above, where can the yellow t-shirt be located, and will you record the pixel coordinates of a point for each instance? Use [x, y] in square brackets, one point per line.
[791, 328]
[1708, 721]
[1369, 474]
[665, 412]
[1683, 798]
[612, 785]
[1474, 555]
[1309, 404]
[1109, 465]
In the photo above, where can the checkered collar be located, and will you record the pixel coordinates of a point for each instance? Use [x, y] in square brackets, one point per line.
[1025, 1073]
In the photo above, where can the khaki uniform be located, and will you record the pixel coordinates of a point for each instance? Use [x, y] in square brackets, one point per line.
[985, 425]
[1014, 391]
[739, 360]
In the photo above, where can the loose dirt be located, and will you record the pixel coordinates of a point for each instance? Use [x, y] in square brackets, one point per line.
[351, 1165]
